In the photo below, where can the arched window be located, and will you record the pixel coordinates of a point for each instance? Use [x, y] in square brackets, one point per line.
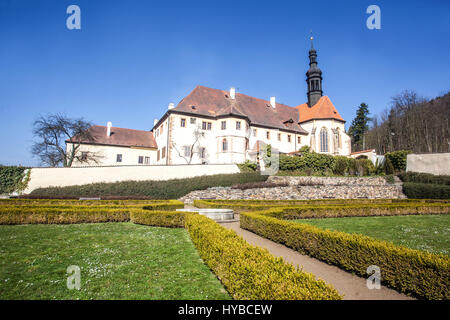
[323, 140]
[338, 138]
[224, 145]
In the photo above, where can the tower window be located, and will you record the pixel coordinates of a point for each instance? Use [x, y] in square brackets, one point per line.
[323, 140]
[224, 145]
[238, 125]
[224, 125]
[183, 123]
[289, 138]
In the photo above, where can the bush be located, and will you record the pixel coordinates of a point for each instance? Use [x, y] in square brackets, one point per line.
[398, 159]
[249, 272]
[410, 271]
[388, 168]
[424, 178]
[13, 179]
[169, 189]
[426, 190]
[247, 166]
[150, 204]
[340, 166]
[168, 219]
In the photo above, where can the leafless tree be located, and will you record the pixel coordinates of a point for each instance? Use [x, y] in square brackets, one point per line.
[412, 123]
[52, 131]
[194, 148]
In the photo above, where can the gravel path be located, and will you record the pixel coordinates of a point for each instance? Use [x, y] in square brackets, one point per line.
[351, 286]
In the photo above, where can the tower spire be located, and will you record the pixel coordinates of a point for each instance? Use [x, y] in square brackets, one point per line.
[313, 77]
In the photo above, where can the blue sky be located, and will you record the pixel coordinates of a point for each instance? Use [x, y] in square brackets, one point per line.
[132, 58]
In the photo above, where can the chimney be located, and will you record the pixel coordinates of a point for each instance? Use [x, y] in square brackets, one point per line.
[272, 102]
[155, 122]
[171, 106]
[108, 129]
[232, 93]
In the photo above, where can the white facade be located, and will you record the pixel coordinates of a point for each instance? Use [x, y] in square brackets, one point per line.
[106, 155]
[217, 141]
[327, 136]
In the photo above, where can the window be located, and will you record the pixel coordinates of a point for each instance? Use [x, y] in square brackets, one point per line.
[279, 137]
[224, 125]
[193, 120]
[158, 156]
[163, 153]
[338, 138]
[206, 125]
[299, 139]
[238, 125]
[161, 129]
[183, 123]
[224, 145]
[140, 159]
[254, 132]
[147, 160]
[289, 138]
[84, 156]
[187, 151]
[119, 158]
[323, 140]
[268, 134]
[203, 153]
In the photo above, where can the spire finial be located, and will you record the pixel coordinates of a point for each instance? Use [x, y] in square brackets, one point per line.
[311, 38]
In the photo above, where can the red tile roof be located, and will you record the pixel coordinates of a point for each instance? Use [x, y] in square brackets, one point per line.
[210, 102]
[121, 137]
[323, 109]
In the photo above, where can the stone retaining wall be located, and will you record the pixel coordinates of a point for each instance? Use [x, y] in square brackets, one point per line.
[305, 188]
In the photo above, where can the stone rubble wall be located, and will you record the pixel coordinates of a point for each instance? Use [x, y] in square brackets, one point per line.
[305, 188]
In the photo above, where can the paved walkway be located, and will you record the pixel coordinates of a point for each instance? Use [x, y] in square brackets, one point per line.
[351, 286]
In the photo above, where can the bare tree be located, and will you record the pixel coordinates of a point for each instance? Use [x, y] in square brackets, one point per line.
[51, 133]
[195, 148]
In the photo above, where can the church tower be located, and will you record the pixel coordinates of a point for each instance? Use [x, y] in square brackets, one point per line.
[313, 78]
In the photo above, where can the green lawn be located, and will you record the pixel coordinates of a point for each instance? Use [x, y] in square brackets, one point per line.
[423, 232]
[117, 261]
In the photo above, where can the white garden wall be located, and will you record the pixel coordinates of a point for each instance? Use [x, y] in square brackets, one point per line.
[434, 163]
[46, 177]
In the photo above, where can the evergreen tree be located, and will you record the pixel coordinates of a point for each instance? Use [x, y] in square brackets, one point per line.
[359, 126]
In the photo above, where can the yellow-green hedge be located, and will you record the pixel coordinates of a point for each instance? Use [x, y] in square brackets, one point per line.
[158, 204]
[410, 271]
[170, 219]
[46, 215]
[337, 209]
[249, 272]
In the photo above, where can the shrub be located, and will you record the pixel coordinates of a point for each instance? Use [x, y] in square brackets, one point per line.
[410, 271]
[249, 272]
[247, 166]
[168, 219]
[426, 190]
[340, 166]
[388, 167]
[398, 159]
[150, 204]
[169, 189]
[424, 178]
[13, 179]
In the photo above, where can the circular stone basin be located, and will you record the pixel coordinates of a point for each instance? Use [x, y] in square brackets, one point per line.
[214, 214]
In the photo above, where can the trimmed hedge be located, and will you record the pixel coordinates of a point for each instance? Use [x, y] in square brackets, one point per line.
[296, 209]
[147, 204]
[169, 189]
[424, 178]
[168, 219]
[426, 190]
[409, 271]
[248, 272]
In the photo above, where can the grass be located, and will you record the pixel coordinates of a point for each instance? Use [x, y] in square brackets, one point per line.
[422, 232]
[117, 261]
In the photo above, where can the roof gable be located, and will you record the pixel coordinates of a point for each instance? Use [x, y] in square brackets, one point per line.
[323, 109]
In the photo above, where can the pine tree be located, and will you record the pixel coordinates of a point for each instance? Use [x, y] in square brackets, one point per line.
[359, 126]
